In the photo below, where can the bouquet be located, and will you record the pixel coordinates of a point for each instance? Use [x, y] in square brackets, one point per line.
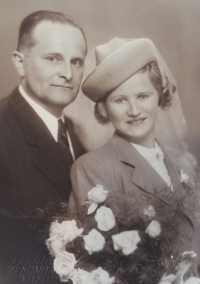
[116, 239]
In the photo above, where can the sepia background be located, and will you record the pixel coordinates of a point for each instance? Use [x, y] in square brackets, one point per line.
[173, 25]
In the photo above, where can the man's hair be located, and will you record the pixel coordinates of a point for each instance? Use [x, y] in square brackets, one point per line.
[26, 38]
[156, 77]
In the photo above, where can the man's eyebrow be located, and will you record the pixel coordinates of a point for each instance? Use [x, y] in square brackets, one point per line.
[81, 58]
[78, 58]
[53, 54]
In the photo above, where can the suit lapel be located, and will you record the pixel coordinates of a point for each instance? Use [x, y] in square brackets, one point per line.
[52, 164]
[143, 174]
[47, 157]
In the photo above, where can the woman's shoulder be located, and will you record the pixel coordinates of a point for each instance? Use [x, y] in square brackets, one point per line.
[183, 159]
[103, 155]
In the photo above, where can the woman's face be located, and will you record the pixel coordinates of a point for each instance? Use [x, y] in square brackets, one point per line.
[132, 108]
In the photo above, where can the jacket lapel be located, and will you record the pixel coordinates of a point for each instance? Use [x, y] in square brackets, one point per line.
[173, 170]
[51, 163]
[47, 157]
[143, 174]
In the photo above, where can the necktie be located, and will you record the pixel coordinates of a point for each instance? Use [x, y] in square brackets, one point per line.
[63, 142]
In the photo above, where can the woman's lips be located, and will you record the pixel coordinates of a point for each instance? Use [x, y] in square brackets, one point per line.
[136, 121]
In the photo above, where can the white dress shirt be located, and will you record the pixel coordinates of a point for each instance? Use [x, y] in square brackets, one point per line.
[50, 120]
[155, 158]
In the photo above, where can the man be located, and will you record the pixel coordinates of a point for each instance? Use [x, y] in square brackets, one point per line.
[35, 156]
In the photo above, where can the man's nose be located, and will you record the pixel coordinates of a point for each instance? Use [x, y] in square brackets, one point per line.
[66, 71]
[133, 109]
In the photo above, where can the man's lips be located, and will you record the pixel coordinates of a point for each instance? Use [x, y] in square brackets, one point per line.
[62, 86]
[136, 121]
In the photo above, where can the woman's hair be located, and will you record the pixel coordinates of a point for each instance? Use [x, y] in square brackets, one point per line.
[160, 81]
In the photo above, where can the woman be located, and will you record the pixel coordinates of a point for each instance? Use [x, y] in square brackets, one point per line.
[132, 91]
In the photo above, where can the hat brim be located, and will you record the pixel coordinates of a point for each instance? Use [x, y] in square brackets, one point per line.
[118, 67]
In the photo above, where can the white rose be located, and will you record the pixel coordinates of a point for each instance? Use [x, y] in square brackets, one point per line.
[97, 194]
[55, 246]
[100, 276]
[94, 241]
[167, 279]
[64, 264]
[190, 253]
[153, 229]
[61, 234]
[192, 280]
[149, 211]
[105, 219]
[66, 230]
[126, 241]
[184, 177]
[81, 277]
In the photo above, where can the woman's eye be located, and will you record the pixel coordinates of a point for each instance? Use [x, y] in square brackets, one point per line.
[119, 101]
[142, 97]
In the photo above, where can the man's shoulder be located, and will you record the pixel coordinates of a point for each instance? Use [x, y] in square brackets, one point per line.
[9, 125]
[6, 115]
[5, 106]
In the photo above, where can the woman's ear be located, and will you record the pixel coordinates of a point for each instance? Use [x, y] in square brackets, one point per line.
[19, 62]
[102, 110]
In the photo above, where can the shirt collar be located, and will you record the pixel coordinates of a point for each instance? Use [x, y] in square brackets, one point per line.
[50, 120]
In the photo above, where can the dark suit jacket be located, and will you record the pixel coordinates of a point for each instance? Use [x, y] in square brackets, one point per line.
[33, 171]
[120, 168]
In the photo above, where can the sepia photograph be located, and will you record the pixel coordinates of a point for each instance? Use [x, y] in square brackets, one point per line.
[99, 142]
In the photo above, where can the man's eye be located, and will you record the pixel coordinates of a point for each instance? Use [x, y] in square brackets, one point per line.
[53, 59]
[77, 62]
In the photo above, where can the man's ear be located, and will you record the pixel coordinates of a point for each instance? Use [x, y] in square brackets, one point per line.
[18, 60]
[102, 110]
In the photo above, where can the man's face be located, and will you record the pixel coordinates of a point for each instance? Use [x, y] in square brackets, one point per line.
[53, 67]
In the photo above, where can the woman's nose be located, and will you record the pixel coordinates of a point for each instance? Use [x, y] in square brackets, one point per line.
[66, 71]
[133, 109]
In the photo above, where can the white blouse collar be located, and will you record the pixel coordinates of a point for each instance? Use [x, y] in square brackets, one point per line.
[149, 153]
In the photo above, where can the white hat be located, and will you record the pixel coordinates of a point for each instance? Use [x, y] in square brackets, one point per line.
[117, 61]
